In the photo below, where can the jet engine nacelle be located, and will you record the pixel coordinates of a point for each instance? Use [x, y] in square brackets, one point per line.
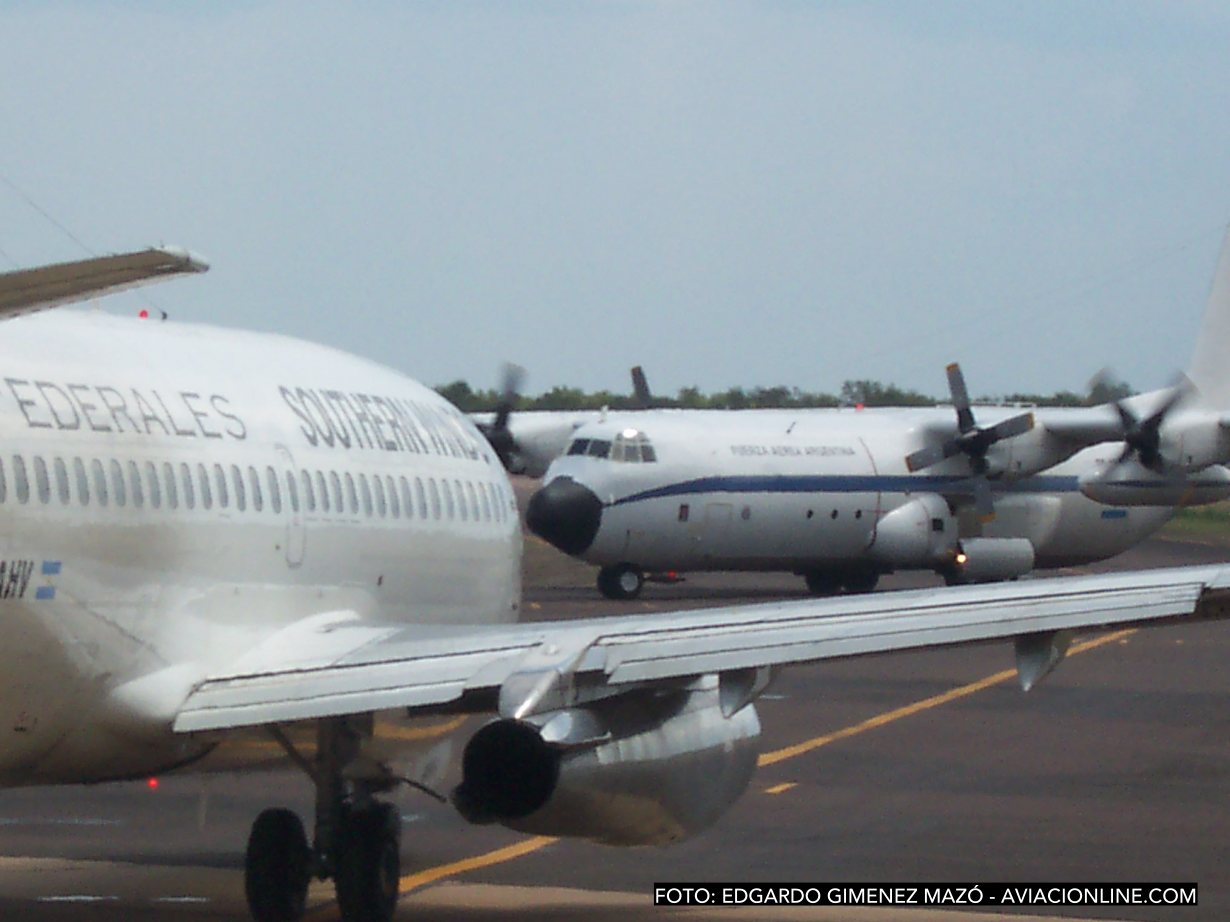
[990, 560]
[639, 769]
[919, 533]
[1131, 484]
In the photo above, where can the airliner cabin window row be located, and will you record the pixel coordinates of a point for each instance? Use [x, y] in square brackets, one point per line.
[148, 484]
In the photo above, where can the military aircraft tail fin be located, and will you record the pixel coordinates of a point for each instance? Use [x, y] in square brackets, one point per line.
[1210, 367]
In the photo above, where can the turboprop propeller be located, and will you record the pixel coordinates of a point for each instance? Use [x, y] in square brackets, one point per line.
[971, 440]
[497, 432]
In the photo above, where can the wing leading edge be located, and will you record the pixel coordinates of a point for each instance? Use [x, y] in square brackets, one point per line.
[27, 290]
[527, 667]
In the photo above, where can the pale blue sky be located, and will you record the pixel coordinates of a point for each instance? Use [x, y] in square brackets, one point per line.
[727, 193]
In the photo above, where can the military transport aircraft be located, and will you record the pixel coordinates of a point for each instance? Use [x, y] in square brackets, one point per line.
[841, 496]
[209, 533]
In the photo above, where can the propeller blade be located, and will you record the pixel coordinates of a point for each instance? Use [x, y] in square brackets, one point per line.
[960, 397]
[513, 376]
[931, 455]
[1179, 391]
[1014, 426]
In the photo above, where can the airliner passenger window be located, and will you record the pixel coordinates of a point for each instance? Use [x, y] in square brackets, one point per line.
[435, 497]
[100, 481]
[450, 511]
[486, 499]
[275, 490]
[309, 496]
[578, 447]
[202, 479]
[152, 486]
[117, 483]
[407, 500]
[461, 501]
[394, 506]
[168, 485]
[473, 498]
[19, 478]
[322, 491]
[185, 480]
[335, 490]
[221, 492]
[366, 490]
[61, 470]
[352, 499]
[241, 499]
[254, 487]
[421, 495]
[292, 492]
[40, 477]
[134, 483]
[83, 482]
[378, 489]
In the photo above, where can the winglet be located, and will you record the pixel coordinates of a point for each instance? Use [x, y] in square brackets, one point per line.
[28, 290]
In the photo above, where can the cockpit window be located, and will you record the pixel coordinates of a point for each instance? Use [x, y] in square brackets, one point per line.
[630, 445]
[633, 446]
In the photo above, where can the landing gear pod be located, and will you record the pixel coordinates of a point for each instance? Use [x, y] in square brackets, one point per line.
[989, 560]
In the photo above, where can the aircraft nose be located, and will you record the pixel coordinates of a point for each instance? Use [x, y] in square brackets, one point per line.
[565, 514]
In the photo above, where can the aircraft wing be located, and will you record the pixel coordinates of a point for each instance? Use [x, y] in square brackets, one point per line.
[521, 668]
[27, 290]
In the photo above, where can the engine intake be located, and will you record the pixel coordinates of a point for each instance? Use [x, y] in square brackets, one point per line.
[664, 766]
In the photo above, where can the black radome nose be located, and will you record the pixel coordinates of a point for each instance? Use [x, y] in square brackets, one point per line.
[565, 514]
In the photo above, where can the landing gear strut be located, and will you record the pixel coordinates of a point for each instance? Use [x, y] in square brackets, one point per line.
[357, 839]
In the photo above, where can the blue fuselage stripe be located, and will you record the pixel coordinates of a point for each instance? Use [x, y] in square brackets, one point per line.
[845, 483]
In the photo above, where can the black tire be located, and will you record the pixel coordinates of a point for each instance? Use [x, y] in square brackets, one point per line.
[369, 864]
[277, 867]
[620, 582]
[822, 582]
[860, 581]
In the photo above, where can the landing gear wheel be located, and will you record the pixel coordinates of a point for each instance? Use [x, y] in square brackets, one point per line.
[860, 581]
[276, 868]
[822, 582]
[622, 582]
[369, 864]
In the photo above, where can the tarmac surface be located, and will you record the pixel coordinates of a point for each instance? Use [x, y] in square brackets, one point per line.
[927, 767]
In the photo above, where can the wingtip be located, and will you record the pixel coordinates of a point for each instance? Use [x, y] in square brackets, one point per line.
[188, 260]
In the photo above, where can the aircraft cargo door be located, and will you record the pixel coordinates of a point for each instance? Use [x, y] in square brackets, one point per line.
[296, 536]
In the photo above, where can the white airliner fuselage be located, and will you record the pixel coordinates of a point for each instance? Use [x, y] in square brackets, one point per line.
[129, 459]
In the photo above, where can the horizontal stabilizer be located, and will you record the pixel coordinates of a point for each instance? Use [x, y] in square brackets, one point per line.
[28, 290]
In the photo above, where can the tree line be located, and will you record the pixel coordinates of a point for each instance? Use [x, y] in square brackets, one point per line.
[853, 393]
